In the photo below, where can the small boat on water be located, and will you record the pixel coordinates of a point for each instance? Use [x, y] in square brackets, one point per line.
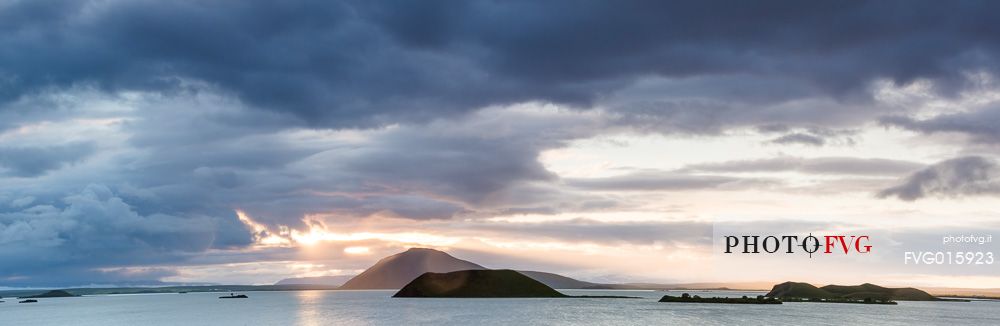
[234, 296]
[28, 301]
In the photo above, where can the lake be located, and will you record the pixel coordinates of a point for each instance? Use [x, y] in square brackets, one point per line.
[378, 308]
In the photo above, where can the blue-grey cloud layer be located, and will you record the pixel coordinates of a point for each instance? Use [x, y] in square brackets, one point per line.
[35, 161]
[350, 63]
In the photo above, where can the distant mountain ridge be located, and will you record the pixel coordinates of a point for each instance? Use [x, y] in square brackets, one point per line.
[746, 286]
[557, 281]
[171, 289]
[336, 280]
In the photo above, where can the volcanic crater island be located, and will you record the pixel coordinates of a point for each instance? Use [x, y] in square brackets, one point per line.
[483, 283]
[500, 283]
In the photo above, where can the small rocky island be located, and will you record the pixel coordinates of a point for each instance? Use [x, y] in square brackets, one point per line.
[760, 299]
[497, 283]
[234, 296]
[50, 294]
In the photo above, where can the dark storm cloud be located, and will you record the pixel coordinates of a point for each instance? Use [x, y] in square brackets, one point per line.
[347, 63]
[90, 229]
[471, 166]
[35, 161]
[191, 157]
[822, 165]
[982, 125]
[963, 176]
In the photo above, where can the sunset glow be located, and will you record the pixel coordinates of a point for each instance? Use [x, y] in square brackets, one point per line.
[356, 250]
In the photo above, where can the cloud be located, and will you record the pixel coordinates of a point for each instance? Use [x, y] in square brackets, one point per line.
[96, 228]
[203, 153]
[799, 138]
[982, 126]
[821, 165]
[35, 161]
[809, 135]
[716, 103]
[349, 63]
[661, 181]
[963, 176]
[606, 233]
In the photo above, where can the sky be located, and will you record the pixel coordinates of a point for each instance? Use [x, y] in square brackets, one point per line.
[151, 142]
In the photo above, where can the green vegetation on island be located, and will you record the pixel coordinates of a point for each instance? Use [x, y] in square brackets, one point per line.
[743, 300]
[499, 283]
[869, 290]
[865, 293]
[489, 283]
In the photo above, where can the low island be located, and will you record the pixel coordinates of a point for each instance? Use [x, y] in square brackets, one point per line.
[862, 294]
[234, 296]
[50, 294]
[804, 292]
[743, 300]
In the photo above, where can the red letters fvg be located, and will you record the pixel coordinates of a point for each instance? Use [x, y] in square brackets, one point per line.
[832, 241]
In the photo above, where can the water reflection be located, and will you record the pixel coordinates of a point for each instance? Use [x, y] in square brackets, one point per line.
[308, 308]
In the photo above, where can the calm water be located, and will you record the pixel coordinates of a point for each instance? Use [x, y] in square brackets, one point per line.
[377, 308]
